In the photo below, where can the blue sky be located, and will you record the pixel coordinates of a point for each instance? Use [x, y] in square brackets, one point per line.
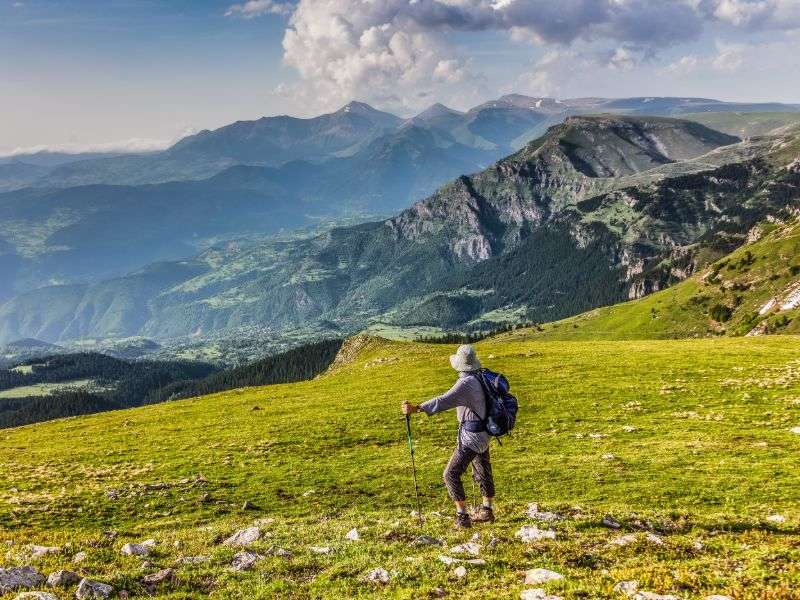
[81, 74]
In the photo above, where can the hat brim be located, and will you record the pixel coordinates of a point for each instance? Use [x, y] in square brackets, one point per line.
[461, 365]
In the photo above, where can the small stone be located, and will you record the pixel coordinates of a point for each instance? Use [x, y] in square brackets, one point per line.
[654, 539]
[438, 593]
[448, 560]
[539, 576]
[531, 533]
[146, 565]
[608, 457]
[249, 505]
[321, 549]
[537, 594]
[19, 578]
[426, 540]
[540, 515]
[717, 597]
[475, 561]
[378, 575]
[776, 518]
[63, 578]
[308, 493]
[597, 436]
[36, 596]
[468, 548]
[159, 577]
[89, 588]
[244, 560]
[136, 549]
[460, 571]
[177, 544]
[79, 557]
[628, 428]
[352, 535]
[610, 522]
[624, 540]
[42, 551]
[243, 537]
[193, 560]
[653, 596]
[282, 553]
[698, 545]
[795, 430]
[629, 588]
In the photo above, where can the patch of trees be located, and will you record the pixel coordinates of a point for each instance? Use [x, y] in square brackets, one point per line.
[68, 403]
[117, 384]
[298, 364]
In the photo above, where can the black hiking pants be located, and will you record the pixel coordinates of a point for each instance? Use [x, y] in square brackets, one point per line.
[481, 472]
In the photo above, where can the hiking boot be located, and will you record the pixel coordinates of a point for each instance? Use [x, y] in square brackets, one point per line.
[484, 514]
[463, 521]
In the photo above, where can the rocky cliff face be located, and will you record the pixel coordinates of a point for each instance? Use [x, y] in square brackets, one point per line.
[598, 210]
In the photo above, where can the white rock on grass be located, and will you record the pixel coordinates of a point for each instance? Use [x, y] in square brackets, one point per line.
[321, 549]
[610, 522]
[539, 576]
[624, 540]
[531, 533]
[19, 578]
[467, 548]
[136, 549]
[629, 588]
[244, 560]
[653, 596]
[243, 537]
[378, 575]
[42, 551]
[79, 557]
[63, 578]
[352, 535]
[476, 561]
[89, 588]
[426, 540]
[776, 518]
[654, 539]
[542, 515]
[36, 596]
[460, 571]
[795, 430]
[718, 597]
[192, 560]
[628, 428]
[159, 577]
[448, 560]
[537, 594]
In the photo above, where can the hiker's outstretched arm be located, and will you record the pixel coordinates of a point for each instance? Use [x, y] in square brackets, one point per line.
[450, 399]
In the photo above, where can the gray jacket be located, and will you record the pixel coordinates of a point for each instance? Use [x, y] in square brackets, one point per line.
[468, 398]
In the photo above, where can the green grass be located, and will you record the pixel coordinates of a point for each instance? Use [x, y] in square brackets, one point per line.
[711, 457]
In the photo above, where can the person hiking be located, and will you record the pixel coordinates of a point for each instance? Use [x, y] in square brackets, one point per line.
[467, 396]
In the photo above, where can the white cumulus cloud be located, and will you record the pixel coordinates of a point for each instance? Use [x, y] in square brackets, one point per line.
[257, 8]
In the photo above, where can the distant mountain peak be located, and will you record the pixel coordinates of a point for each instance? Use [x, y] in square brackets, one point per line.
[436, 110]
[358, 107]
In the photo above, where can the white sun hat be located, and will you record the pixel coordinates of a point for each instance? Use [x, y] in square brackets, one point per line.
[465, 359]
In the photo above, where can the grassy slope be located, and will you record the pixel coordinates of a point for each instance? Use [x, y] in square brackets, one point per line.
[745, 280]
[712, 456]
[744, 124]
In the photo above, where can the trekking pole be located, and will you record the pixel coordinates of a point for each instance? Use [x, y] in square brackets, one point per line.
[413, 466]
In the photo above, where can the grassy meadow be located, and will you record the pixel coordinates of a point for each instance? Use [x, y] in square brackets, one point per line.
[690, 440]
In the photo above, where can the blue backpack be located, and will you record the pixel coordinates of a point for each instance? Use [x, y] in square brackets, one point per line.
[501, 405]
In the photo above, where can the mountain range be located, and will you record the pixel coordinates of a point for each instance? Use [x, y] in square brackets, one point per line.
[75, 219]
[597, 210]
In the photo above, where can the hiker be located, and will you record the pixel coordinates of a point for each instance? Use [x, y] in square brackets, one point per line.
[468, 398]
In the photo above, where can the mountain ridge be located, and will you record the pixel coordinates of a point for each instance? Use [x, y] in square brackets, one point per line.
[454, 256]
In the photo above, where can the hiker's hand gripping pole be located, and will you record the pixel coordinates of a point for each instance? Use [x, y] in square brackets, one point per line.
[413, 465]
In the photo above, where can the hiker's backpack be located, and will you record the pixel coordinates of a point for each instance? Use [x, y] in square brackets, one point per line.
[501, 405]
